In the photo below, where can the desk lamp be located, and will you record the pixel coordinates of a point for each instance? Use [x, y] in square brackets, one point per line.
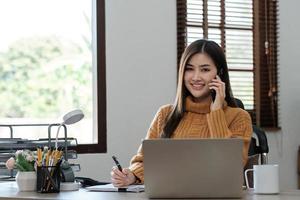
[70, 118]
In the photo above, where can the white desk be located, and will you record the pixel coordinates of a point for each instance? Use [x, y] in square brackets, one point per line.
[9, 190]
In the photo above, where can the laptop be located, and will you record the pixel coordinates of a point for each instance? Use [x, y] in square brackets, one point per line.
[193, 168]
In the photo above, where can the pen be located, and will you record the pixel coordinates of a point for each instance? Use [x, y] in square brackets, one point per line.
[120, 168]
[117, 163]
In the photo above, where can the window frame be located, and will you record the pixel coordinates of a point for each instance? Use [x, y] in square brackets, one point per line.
[101, 145]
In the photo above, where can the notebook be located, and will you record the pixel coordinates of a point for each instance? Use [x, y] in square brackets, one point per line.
[193, 168]
[111, 188]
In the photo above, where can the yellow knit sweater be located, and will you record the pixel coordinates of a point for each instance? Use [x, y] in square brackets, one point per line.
[199, 122]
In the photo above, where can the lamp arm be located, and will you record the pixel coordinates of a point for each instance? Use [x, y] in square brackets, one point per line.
[56, 137]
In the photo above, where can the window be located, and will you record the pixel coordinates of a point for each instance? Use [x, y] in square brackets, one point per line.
[52, 60]
[246, 30]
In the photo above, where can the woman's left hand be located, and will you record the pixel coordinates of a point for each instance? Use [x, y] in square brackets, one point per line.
[219, 86]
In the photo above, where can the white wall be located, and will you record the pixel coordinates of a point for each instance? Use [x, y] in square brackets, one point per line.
[284, 144]
[141, 73]
[141, 76]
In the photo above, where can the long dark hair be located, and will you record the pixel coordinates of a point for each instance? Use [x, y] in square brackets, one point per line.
[216, 53]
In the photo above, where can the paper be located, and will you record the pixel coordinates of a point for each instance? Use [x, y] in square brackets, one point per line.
[111, 188]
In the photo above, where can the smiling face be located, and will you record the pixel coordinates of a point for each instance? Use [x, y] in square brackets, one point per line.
[199, 71]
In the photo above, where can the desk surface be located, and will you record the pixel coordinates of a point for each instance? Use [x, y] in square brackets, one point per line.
[9, 190]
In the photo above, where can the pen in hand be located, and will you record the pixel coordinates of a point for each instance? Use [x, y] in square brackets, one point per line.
[120, 168]
[117, 163]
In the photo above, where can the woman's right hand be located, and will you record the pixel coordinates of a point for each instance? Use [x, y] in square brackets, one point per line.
[122, 179]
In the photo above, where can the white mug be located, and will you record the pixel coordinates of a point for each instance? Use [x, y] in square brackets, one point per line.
[266, 179]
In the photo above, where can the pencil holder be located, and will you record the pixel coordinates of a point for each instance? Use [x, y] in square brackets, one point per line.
[48, 179]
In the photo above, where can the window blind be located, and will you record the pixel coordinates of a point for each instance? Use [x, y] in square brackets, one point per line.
[266, 62]
[240, 27]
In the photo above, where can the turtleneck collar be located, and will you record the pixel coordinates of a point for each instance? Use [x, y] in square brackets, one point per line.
[198, 107]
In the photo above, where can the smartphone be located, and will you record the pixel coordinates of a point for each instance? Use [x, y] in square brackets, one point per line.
[213, 92]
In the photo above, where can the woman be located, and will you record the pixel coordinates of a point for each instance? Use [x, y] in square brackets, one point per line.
[197, 112]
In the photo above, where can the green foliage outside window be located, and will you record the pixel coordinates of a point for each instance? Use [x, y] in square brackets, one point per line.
[40, 76]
